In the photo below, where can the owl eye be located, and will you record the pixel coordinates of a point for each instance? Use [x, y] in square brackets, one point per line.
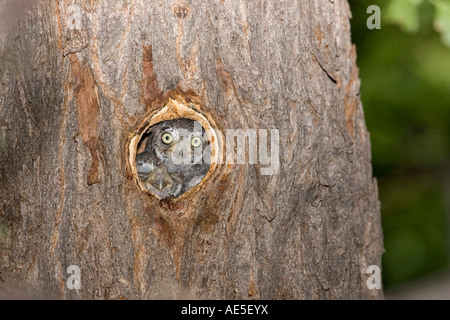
[167, 138]
[196, 142]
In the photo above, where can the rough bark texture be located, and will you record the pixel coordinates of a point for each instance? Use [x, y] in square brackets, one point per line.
[73, 90]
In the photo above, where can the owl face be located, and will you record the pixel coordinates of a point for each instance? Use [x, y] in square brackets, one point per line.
[160, 182]
[176, 157]
[179, 142]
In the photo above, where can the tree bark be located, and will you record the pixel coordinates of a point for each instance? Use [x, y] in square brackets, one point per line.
[80, 78]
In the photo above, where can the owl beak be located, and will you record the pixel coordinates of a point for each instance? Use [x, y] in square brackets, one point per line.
[177, 150]
[160, 183]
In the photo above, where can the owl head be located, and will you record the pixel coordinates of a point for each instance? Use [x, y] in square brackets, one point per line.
[161, 183]
[179, 141]
[176, 157]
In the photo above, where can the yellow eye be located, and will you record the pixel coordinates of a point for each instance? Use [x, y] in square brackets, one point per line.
[196, 142]
[167, 138]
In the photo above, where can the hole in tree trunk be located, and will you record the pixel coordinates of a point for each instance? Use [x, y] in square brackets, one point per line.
[175, 157]
[173, 151]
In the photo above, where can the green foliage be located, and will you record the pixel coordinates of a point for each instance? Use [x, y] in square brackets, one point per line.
[442, 19]
[406, 13]
[405, 90]
[414, 226]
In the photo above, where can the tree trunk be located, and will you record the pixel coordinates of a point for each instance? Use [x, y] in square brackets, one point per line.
[79, 81]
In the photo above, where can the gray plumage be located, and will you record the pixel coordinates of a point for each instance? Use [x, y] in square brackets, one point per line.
[176, 157]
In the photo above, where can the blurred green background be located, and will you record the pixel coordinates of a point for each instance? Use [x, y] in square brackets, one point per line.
[405, 90]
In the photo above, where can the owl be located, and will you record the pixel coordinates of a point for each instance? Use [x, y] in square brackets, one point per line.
[176, 157]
